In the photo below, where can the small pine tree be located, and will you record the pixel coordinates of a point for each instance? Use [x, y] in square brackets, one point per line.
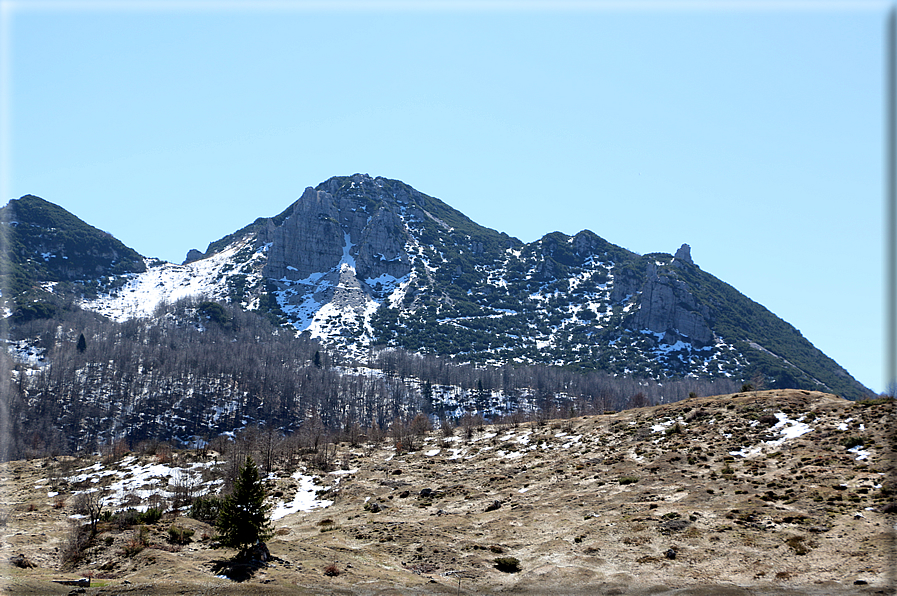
[243, 520]
[82, 343]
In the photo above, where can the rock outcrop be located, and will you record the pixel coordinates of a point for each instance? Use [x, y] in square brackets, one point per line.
[193, 255]
[667, 306]
[684, 254]
[311, 240]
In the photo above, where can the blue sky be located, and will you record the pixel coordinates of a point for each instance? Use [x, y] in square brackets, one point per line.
[752, 131]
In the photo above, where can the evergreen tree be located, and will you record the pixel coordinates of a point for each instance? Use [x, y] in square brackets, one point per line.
[82, 343]
[243, 519]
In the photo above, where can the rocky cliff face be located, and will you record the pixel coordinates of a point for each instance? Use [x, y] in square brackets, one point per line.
[324, 229]
[666, 306]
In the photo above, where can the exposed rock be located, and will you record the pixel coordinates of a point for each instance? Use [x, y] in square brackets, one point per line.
[674, 525]
[493, 506]
[667, 305]
[193, 255]
[259, 552]
[309, 241]
[684, 254]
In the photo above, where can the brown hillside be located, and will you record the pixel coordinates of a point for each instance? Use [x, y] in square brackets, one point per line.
[646, 501]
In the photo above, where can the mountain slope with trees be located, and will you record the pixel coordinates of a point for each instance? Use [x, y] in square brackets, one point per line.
[360, 262]
[363, 302]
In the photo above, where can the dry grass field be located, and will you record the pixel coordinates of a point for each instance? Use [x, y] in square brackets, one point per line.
[772, 492]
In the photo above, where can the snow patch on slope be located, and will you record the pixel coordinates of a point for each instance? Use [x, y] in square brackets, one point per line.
[787, 429]
[167, 282]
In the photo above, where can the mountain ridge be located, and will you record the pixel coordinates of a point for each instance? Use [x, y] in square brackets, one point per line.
[359, 263]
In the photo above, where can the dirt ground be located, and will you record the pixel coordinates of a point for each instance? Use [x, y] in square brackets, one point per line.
[646, 501]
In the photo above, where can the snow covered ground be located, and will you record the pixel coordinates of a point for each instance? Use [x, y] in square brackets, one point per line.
[167, 282]
[304, 500]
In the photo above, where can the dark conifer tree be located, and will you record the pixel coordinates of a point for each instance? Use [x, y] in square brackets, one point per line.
[243, 520]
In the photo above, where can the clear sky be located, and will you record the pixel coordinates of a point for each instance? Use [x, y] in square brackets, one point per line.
[752, 131]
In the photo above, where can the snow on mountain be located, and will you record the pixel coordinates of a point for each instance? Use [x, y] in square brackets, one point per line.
[167, 282]
[358, 262]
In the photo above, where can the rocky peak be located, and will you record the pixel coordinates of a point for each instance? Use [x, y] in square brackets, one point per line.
[193, 255]
[343, 218]
[684, 254]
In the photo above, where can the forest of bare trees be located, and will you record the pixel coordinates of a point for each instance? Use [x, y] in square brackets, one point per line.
[197, 370]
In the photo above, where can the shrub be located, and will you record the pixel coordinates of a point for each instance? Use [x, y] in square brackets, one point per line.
[21, 561]
[74, 544]
[628, 479]
[132, 547]
[205, 509]
[875, 401]
[131, 517]
[125, 518]
[89, 504]
[851, 442]
[180, 535]
[331, 570]
[507, 564]
[138, 543]
[150, 516]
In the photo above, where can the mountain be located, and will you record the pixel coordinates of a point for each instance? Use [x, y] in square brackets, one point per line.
[45, 249]
[360, 263]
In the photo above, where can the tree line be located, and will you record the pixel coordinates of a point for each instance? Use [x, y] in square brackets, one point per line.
[197, 369]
